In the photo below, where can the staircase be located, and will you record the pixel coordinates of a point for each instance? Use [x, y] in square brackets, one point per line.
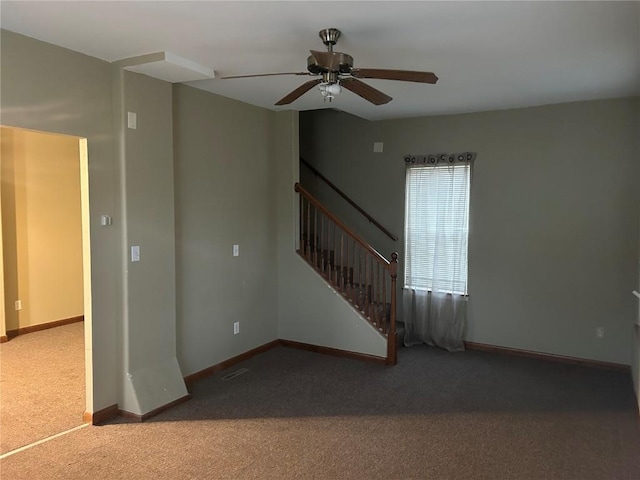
[365, 278]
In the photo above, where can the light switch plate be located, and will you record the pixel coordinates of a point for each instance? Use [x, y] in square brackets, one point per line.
[132, 120]
[377, 147]
[135, 253]
[236, 250]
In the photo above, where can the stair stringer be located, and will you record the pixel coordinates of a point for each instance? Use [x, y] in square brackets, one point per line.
[313, 312]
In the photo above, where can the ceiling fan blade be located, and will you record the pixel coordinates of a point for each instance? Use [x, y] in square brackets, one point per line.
[265, 75]
[298, 92]
[402, 75]
[328, 60]
[365, 91]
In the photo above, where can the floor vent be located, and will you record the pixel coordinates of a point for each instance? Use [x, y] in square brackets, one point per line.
[238, 372]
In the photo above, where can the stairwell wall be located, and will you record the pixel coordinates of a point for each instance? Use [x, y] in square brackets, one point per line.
[553, 220]
[310, 311]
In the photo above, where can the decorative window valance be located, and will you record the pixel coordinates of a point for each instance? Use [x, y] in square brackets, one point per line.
[439, 159]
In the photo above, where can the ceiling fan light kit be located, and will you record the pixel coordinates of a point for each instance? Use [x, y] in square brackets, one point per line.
[337, 71]
[329, 90]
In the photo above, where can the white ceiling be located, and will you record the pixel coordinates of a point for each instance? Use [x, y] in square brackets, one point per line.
[488, 55]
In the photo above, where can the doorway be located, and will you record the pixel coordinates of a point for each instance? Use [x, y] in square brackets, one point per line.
[45, 299]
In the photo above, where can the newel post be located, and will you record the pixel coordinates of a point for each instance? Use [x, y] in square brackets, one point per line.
[392, 342]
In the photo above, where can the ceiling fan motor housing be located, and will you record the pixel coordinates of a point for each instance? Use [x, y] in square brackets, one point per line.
[345, 65]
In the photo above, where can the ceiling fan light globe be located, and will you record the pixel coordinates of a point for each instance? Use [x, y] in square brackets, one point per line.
[334, 89]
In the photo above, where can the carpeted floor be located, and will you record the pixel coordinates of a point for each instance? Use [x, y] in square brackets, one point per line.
[41, 385]
[296, 414]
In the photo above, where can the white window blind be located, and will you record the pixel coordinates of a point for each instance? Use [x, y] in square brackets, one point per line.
[437, 227]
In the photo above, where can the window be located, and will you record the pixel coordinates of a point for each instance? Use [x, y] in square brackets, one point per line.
[437, 227]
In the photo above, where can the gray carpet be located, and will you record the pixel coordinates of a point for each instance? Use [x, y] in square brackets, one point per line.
[437, 415]
[41, 385]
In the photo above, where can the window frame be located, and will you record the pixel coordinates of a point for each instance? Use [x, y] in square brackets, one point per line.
[430, 283]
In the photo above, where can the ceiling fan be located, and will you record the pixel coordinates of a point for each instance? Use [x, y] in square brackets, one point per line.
[337, 71]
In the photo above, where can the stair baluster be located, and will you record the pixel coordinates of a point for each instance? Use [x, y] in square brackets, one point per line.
[354, 268]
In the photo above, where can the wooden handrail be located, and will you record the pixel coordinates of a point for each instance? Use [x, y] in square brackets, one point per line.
[380, 258]
[351, 202]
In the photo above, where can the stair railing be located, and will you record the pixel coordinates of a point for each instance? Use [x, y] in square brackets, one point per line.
[353, 267]
[349, 200]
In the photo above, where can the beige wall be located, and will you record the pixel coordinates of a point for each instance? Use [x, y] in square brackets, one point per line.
[43, 173]
[553, 221]
[9, 239]
[3, 326]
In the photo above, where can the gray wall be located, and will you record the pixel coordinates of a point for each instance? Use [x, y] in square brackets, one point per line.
[224, 177]
[52, 89]
[553, 221]
[235, 186]
[151, 376]
[635, 358]
[132, 344]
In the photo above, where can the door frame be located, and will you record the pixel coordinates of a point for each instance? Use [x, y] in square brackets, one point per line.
[83, 156]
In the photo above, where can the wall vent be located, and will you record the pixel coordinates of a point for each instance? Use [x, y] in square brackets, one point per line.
[238, 372]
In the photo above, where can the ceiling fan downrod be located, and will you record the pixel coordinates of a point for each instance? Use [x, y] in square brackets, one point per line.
[329, 37]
